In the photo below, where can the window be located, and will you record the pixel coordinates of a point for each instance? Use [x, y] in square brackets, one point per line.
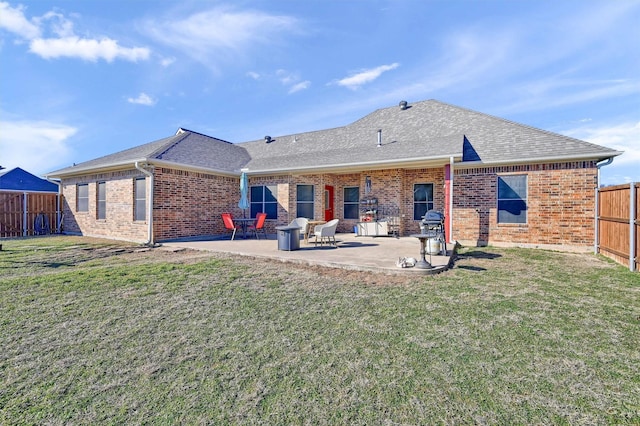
[102, 200]
[140, 199]
[351, 202]
[422, 199]
[304, 204]
[263, 200]
[512, 199]
[82, 197]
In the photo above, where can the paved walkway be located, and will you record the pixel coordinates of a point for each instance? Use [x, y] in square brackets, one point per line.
[378, 254]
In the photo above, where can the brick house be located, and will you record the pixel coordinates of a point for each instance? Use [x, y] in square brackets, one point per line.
[496, 181]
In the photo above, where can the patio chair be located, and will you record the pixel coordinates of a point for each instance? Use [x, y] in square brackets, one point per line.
[302, 223]
[258, 225]
[328, 231]
[227, 219]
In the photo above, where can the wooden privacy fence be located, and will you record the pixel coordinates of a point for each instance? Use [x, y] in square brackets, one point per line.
[617, 224]
[29, 213]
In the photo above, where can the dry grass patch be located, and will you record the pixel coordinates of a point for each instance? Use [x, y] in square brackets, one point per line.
[98, 332]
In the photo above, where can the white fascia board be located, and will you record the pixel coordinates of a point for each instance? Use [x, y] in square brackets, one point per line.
[130, 164]
[188, 167]
[79, 170]
[22, 191]
[537, 160]
[413, 163]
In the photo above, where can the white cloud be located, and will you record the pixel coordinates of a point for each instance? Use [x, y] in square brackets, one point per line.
[219, 34]
[254, 75]
[303, 85]
[87, 49]
[142, 99]
[13, 20]
[286, 77]
[292, 81]
[65, 43]
[366, 76]
[36, 146]
[621, 137]
[165, 62]
[60, 26]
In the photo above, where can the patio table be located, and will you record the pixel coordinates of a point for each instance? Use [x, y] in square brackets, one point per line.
[310, 225]
[244, 222]
[422, 263]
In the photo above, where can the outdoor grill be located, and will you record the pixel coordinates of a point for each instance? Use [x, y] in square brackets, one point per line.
[432, 220]
[432, 224]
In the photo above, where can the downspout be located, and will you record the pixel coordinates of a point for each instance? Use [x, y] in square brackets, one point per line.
[58, 218]
[149, 203]
[596, 239]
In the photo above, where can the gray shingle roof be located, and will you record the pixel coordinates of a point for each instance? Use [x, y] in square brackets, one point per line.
[185, 147]
[426, 129]
[427, 132]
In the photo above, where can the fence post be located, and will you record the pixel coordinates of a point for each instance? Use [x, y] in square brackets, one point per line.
[25, 217]
[632, 227]
[596, 237]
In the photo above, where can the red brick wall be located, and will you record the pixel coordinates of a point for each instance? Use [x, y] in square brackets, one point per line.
[411, 177]
[119, 223]
[561, 203]
[188, 203]
[185, 204]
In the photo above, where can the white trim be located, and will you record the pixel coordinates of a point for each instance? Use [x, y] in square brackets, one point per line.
[149, 201]
[18, 191]
[408, 163]
[537, 160]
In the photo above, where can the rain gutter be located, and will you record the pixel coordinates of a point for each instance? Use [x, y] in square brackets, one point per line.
[58, 215]
[149, 203]
[596, 239]
[584, 157]
[404, 162]
[183, 166]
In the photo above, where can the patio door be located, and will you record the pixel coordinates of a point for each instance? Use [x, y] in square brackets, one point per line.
[328, 203]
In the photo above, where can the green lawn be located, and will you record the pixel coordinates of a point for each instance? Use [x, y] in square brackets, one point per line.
[91, 332]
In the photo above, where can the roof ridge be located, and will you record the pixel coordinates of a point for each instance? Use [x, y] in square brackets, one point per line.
[183, 130]
[170, 144]
[526, 126]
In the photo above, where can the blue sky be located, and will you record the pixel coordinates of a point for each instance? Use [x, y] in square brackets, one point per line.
[82, 79]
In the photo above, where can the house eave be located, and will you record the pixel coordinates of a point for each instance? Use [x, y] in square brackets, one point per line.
[537, 160]
[30, 191]
[192, 168]
[130, 164]
[406, 163]
[80, 171]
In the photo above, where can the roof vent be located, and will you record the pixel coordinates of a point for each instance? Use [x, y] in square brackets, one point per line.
[267, 139]
[403, 105]
[379, 138]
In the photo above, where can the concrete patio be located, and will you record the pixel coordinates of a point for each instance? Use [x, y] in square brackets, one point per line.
[375, 254]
